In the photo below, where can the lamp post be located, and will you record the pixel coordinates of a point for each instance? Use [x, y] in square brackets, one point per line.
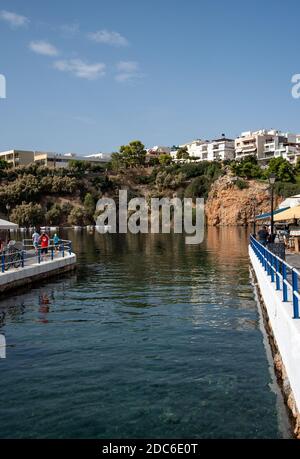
[8, 209]
[272, 179]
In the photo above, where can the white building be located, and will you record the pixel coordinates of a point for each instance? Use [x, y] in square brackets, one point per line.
[205, 150]
[267, 144]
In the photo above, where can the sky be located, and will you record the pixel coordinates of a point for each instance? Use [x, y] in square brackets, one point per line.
[87, 76]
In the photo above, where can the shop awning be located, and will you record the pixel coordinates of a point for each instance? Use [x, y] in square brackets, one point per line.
[5, 225]
[289, 214]
[268, 214]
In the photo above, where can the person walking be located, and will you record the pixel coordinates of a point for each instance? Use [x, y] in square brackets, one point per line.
[35, 240]
[263, 235]
[56, 241]
[44, 241]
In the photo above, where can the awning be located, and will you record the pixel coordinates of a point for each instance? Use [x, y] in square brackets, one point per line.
[5, 225]
[290, 214]
[268, 214]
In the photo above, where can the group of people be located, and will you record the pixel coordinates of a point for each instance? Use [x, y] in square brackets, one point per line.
[43, 240]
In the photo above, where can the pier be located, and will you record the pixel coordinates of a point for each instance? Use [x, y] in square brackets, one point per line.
[26, 266]
[278, 289]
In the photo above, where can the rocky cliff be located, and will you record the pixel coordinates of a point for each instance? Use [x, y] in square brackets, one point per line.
[228, 205]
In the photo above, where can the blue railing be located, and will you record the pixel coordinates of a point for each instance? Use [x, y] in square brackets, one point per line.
[29, 255]
[284, 276]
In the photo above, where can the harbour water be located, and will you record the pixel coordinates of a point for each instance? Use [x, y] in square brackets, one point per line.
[149, 338]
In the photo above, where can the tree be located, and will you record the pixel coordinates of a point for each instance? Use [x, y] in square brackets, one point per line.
[3, 164]
[89, 204]
[199, 187]
[78, 217]
[78, 167]
[116, 161]
[282, 169]
[54, 215]
[27, 214]
[165, 159]
[133, 154]
[182, 153]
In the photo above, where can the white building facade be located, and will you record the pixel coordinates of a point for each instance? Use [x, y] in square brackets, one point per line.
[266, 145]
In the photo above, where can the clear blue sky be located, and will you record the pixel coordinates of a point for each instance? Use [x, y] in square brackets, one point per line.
[90, 75]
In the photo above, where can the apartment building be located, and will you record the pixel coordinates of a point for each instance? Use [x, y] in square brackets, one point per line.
[17, 157]
[266, 145]
[205, 150]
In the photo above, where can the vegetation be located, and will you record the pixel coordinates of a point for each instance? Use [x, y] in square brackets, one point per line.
[42, 195]
[27, 214]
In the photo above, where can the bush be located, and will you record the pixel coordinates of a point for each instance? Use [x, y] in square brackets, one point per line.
[241, 184]
[54, 215]
[199, 187]
[27, 214]
[78, 217]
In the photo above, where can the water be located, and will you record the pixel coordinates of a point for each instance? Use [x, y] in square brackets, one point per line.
[150, 338]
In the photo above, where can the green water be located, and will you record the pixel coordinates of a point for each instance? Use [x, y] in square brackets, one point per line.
[149, 338]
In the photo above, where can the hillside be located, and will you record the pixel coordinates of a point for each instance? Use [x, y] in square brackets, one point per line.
[37, 195]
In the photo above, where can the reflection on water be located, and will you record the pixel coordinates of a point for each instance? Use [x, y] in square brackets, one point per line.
[149, 338]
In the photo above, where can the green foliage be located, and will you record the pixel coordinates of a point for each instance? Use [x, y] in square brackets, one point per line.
[247, 167]
[3, 164]
[165, 159]
[102, 183]
[286, 190]
[182, 153]
[241, 184]
[54, 215]
[211, 169]
[78, 217]
[153, 161]
[78, 165]
[282, 168]
[89, 204]
[199, 187]
[27, 214]
[133, 154]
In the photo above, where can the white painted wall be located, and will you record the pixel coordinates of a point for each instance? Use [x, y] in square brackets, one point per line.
[286, 329]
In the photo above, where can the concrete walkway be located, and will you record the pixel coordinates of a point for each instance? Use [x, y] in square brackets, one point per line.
[33, 271]
[293, 259]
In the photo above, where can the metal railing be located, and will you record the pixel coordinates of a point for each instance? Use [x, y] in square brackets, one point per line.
[14, 258]
[284, 276]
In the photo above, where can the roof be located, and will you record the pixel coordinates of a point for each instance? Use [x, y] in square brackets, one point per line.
[5, 225]
[289, 214]
[268, 214]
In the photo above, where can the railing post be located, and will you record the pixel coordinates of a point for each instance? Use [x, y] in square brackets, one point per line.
[277, 264]
[295, 297]
[70, 247]
[52, 253]
[284, 286]
[268, 263]
[3, 263]
[272, 266]
[22, 258]
[63, 249]
[39, 255]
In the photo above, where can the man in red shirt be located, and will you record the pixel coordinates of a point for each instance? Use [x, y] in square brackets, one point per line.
[44, 241]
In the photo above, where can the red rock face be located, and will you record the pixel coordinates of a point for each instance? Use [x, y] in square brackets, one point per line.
[227, 205]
